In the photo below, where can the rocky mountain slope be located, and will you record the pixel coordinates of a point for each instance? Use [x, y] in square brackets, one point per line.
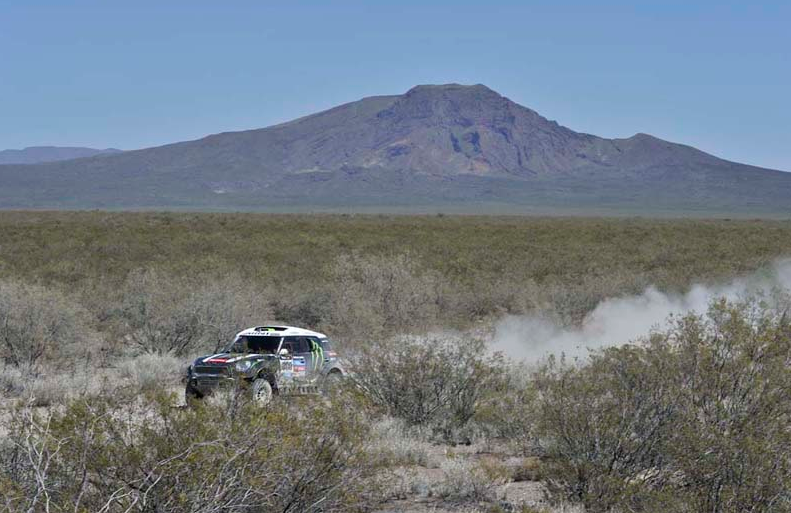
[434, 148]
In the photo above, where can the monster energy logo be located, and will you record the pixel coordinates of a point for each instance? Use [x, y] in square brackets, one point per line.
[318, 355]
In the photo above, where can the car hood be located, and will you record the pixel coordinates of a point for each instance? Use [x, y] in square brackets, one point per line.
[228, 358]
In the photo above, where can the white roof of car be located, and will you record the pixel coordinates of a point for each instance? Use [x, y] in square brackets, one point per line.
[279, 331]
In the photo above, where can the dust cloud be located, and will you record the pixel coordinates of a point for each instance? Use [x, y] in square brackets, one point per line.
[617, 321]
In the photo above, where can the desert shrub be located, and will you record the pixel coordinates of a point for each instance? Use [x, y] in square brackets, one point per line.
[163, 313]
[397, 444]
[492, 296]
[732, 445]
[303, 305]
[562, 507]
[471, 480]
[435, 381]
[474, 267]
[602, 423]
[148, 372]
[49, 390]
[527, 469]
[103, 455]
[48, 386]
[506, 410]
[570, 301]
[37, 323]
[373, 295]
[229, 305]
[693, 419]
[12, 381]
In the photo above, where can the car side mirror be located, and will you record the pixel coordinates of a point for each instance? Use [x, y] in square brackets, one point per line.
[284, 352]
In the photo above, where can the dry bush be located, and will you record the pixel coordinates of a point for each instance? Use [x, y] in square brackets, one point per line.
[230, 305]
[12, 381]
[601, 424]
[471, 481]
[528, 469]
[55, 389]
[149, 372]
[46, 389]
[118, 455]
[304, 304]
[38, 323]
[397, 444]
[435, 381]
[733, 445]
[373, 295]
[506, 411]
[488, 264]
[497, 296]
[161, 313]
[695, 419]
[50, 386]
[46, 339]
[569, 301]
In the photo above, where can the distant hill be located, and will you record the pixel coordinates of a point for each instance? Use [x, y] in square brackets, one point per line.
[39, 154]
[446, 148]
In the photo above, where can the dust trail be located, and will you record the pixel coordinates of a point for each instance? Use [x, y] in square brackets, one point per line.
[619, 320]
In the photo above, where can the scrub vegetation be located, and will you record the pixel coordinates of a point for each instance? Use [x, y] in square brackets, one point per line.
[100, 313]
[314, 269]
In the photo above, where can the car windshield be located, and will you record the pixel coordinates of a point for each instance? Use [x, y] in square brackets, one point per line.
[326, 344]
[253, 344]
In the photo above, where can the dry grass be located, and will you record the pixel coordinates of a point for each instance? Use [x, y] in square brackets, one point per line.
[148, 372]
[50, 388]
[468, 480]
[397, 444]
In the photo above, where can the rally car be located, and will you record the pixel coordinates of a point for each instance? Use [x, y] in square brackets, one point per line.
[268, 360]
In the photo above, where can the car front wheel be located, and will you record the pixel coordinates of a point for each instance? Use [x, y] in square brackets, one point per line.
[191, 394]
[262, 391]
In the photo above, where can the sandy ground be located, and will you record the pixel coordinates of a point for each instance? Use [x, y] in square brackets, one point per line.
[419, 487]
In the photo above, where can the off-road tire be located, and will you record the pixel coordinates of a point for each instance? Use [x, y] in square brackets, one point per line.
[331, 381]
[262, 391]
[191, 394]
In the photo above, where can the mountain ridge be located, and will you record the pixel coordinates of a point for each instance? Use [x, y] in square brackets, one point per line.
[436, 146]
[42, 154]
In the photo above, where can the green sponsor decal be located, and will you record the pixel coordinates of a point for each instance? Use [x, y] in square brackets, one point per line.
[318, 355]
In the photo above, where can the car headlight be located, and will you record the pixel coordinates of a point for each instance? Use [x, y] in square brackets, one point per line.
[244, 365]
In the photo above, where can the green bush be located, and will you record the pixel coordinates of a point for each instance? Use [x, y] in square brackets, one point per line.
[696, 417]
[374, 296]
[434, 381]
[355, 276]
[732, 444]
[111, 455]
[38, 323]
[506, 410]
[162, 313]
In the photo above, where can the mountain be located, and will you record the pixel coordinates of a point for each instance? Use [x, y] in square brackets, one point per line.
[38, 154]
[446, 148]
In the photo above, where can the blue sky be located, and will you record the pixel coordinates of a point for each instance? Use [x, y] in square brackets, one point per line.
[713, 74]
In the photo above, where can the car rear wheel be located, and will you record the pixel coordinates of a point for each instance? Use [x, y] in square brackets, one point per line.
[191, 394]
[332, 380]
[262, 391]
